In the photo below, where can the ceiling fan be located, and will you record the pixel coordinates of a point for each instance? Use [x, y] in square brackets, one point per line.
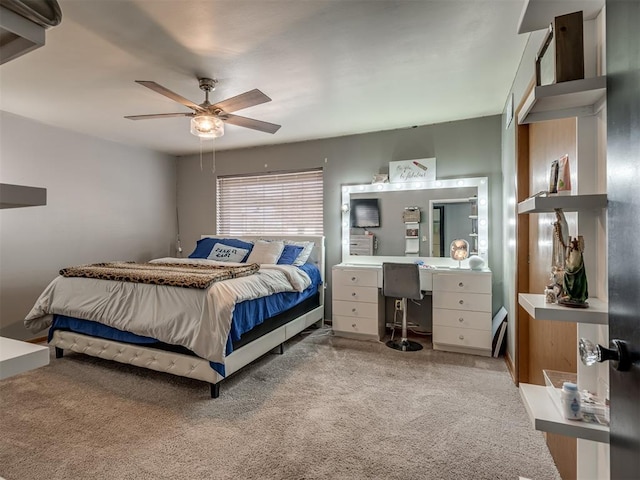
[207, 119]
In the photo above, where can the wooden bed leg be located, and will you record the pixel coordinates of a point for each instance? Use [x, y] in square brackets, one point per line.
[215, 390]
[59, 352]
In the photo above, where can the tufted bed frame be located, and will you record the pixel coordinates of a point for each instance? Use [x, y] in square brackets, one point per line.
[192, 366]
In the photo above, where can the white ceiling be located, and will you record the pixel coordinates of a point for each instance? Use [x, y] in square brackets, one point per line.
[331, 67]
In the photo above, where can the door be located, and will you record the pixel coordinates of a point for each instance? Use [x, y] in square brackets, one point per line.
[623, 189]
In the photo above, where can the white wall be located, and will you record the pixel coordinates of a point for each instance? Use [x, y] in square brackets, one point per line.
[466, 148]
[105, 201]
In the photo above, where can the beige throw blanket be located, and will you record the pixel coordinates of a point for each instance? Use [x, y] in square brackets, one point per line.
[188, 275]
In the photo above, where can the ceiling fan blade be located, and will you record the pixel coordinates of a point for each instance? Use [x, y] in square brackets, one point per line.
[158, 115]
[168, 93]
[244, 100]
[250, 123]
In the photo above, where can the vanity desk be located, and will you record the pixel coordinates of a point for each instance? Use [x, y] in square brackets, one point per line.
[461, 300]
[461, 304]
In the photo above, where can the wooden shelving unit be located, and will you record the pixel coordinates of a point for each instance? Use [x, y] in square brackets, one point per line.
[576, 98]
[568, 203]
[546, 417]
[534, 304]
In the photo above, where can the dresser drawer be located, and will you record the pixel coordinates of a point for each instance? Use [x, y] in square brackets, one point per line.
[462, 319]
[355, 309]
[355, 294]
[462, 337]
[462, 301]
[358, 277]
[462, 282]
[362, 326]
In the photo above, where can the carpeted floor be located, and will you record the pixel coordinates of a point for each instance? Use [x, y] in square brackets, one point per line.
[329, 408]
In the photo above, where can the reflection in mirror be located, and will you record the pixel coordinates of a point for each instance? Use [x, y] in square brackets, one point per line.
[409, 213]
[452, 218]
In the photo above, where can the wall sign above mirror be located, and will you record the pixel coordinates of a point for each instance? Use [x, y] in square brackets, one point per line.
[420, 170]
[389, 239]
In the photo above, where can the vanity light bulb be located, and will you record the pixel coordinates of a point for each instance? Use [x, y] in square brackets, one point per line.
[361, 187]
[438, 183]
[460, 182]
[345, 207]
[483, 201]
[380, 187]
[483, 243]
[483, 222]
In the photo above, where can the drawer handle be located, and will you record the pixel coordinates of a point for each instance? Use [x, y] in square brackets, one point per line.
[353, 325]
[461, 284]
[461, 319]
[461, 337]
[354, 294]
[353, 310]
[353, 279]
[461, 302]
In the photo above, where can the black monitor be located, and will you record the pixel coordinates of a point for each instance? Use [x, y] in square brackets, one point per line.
[365, 213]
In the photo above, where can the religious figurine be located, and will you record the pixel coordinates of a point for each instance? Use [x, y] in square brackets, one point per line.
[574, 283]
[558, 256]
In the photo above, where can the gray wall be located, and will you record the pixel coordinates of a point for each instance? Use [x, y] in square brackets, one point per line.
[467, 148]
[105, 201]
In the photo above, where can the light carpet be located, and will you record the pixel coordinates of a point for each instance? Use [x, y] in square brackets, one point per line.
[329, 408]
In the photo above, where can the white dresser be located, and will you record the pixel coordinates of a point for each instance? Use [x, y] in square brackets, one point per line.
[358, 306]
[462, 312]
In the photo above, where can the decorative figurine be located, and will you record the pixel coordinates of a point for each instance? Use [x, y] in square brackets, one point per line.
[574, 283]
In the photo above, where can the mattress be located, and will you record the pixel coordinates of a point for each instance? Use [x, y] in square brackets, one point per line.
[250, 319]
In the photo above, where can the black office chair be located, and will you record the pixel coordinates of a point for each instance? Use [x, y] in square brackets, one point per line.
[402, 280]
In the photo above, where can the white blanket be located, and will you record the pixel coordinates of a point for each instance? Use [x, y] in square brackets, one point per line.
[198, 319]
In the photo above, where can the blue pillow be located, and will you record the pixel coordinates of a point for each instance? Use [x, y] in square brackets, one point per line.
[205, 245]
[289, 254]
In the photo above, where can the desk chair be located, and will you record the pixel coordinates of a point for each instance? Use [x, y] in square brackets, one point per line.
[402, 280]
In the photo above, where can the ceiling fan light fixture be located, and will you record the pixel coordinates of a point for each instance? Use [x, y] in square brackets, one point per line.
[207, 126]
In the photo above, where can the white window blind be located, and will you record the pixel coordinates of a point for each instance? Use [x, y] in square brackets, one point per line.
[270, 204]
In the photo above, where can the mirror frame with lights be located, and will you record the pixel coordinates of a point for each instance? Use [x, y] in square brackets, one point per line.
[481, 183]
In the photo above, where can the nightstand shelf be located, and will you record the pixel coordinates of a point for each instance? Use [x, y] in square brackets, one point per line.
[534, 304]
[546, 418]
[575, 98]
[569, 203]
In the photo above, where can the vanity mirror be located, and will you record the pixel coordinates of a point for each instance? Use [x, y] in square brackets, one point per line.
[393, 237]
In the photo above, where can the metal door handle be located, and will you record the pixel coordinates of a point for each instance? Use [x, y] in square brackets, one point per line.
[620, 354]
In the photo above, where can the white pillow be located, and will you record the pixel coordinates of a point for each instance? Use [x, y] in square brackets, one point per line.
[304, 254]
[225, 253]
[266, 252]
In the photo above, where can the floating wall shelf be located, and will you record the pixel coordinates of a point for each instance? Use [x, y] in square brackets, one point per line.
[546, 418]
[538, 14]
[17, 196]
[534, 304]
[569, 203]
[576, 98]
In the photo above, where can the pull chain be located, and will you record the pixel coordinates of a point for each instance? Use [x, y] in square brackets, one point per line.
[213, 155]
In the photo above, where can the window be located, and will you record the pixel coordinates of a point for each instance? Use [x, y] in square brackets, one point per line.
[270, 204]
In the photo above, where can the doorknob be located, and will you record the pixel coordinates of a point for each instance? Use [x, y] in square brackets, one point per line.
[620, 354]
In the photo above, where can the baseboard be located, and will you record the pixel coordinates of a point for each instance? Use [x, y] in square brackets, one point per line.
[511, 367]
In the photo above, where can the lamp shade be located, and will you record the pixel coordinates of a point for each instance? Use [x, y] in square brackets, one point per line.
[207, 126]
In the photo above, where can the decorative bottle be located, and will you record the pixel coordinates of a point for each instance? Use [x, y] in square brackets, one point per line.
[571, 401]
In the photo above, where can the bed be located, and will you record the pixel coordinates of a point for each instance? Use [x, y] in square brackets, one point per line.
[205, 333]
